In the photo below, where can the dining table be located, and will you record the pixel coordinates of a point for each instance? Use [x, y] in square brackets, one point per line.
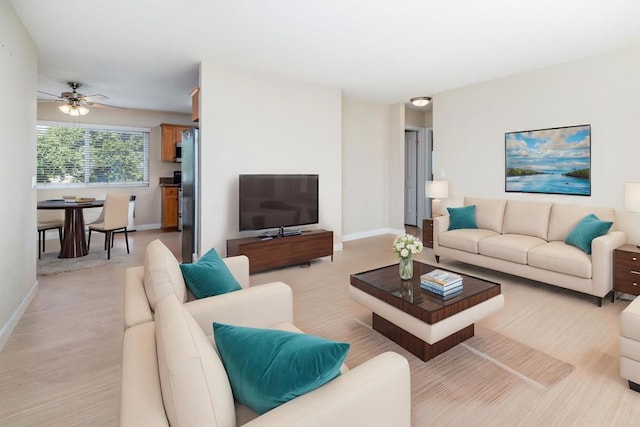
[74, 242]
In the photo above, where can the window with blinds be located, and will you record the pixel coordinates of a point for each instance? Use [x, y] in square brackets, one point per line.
[79, 155]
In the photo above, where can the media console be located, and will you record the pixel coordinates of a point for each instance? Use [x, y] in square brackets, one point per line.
[270, 253]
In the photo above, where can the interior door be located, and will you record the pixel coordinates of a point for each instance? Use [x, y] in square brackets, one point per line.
[410, 178]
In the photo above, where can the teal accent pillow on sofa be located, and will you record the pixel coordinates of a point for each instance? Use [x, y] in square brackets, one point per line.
[464, 217]
[209, 276]
[586, 230]
[268, 367]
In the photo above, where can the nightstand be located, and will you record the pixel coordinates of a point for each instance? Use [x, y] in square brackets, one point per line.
[626, 270]
[427, 232]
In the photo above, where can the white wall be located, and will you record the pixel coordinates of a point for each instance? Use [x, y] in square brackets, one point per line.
[470, 123]
[148, 199]
[18, 252]
[396, 168]
[365, 168]
[258, 123]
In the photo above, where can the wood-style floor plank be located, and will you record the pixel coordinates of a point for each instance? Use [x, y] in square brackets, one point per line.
[62, 364]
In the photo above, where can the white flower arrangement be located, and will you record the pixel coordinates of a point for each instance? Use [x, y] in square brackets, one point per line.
[406, 245]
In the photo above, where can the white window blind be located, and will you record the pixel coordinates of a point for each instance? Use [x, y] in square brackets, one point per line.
[79, 155]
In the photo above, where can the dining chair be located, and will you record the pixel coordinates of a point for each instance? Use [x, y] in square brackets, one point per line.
[113, 218]
[42, 229]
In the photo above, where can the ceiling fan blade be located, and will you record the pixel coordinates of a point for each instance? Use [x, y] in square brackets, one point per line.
[99, 105]
[49, 94]
[95, 97]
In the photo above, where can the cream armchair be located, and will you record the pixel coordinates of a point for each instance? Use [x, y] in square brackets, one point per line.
[172, 374]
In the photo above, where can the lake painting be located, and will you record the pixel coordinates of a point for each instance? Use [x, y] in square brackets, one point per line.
[552, 161]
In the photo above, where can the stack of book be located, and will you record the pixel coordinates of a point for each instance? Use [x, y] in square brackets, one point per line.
[443, 283]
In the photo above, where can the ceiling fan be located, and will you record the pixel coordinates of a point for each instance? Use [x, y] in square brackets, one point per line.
[75, 104]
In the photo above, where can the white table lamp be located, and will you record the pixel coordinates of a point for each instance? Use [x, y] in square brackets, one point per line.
[437, 190]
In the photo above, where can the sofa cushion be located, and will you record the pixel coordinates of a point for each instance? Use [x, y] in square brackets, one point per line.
[527, 218]
[509, 247]
[562, 258]
[586, 230]
[287, 364]
[209, 276]
[489, 212]
[464, 217]
[565, 216]
[195, 388]
[162, 274]
[464, 239]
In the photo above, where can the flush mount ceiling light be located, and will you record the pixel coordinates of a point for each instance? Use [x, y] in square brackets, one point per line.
[420, 101]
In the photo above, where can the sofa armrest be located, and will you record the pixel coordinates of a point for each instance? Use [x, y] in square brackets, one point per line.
[602, 261]
[375, 393]
[239, 266]
[141, 397]
[136, 304]
[440, 225]
[259, 306]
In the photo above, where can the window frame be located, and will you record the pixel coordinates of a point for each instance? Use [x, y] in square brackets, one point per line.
[100, 127]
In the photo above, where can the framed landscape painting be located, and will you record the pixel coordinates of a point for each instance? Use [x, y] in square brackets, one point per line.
[551, 161]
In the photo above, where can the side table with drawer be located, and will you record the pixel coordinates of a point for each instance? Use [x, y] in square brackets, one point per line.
[626, 270]
[427, 232]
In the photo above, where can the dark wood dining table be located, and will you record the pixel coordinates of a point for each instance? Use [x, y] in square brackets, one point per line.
[74, 242]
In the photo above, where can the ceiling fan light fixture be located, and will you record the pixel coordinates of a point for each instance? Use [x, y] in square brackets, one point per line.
[420, 101]
[73, 109]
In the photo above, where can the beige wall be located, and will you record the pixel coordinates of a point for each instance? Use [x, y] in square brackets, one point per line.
[418, 119]
[365, 165]
[18, 241]
[285, 126]
[148, 199]
[470, 123]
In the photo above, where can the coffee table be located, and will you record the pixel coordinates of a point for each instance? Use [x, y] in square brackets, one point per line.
[422, 322]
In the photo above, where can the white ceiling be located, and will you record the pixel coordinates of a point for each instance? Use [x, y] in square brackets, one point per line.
[145, 53]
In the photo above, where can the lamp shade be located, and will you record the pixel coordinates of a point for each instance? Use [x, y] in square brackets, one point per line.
[632, 196]
[437, 189]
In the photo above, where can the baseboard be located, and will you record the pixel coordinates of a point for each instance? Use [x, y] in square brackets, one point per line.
[371, 233]
[8, 327]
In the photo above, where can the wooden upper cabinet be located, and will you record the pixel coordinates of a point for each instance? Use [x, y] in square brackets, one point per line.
[195, 104]
[171, 135]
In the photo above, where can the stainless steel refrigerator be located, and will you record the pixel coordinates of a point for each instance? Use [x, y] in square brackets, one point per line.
[190, 195]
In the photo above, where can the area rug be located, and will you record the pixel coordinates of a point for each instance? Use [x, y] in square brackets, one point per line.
[482, 370]
[51, 264]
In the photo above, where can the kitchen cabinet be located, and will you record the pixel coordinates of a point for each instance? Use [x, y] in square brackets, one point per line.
[169, 207]
[195, 105]
[171, 135]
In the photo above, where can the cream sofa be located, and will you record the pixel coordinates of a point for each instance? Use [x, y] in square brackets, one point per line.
[172, 374]
[630, 344]
[527, 239]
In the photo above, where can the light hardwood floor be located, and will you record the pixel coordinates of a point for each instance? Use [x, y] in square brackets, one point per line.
[62, 367]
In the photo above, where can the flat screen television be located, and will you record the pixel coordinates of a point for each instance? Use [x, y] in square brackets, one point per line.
[277, 201]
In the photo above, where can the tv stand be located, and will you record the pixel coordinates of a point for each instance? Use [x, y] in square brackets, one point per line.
[266, 253]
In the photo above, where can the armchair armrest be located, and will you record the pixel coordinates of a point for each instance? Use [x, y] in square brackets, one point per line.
[136, 304]
[375, 393]
[260, 306]
[239, 266]
[602, 261]
[440, 225]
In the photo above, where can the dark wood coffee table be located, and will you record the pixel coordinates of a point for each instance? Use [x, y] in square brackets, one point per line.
[420, 321]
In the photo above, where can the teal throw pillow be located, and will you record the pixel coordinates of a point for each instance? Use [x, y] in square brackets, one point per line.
[268, 367]
[464, 217]
[586, 230]
[209, 276]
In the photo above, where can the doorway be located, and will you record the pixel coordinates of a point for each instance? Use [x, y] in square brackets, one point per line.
[417, 169]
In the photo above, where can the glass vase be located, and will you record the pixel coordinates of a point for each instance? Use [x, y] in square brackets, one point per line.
[406, 268]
